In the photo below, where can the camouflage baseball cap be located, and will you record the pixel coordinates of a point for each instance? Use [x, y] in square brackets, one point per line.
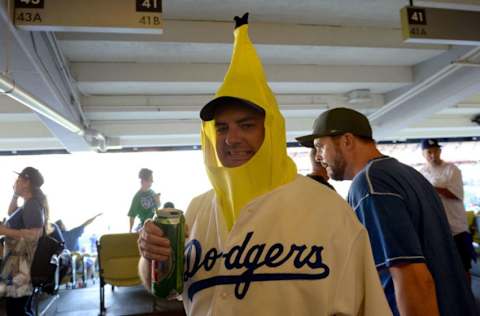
[335, 122]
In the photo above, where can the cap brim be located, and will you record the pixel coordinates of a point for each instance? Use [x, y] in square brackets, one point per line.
[431, 146]
[207, 113]
[307, 140]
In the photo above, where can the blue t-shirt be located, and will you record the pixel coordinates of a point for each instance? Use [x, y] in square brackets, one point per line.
[30, 215]
[406, 223]
[71, 238]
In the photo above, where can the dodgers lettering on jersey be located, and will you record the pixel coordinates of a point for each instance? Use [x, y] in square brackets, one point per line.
[247, 258]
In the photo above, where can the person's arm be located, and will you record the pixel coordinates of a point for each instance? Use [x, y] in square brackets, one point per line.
[14, 201]
[33, 220]
[414, 289]
[132, 220]
[90, 220]
[132, 212]
[152, 245]
[452, 188]
[31, 233]
[13, 204]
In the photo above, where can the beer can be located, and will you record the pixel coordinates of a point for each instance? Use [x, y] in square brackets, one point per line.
[167, 277]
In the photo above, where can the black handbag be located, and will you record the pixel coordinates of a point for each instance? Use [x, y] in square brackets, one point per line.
[43, 271]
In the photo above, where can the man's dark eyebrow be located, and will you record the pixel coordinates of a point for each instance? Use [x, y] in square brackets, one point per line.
[239, 121]
[219, 123]
[247, 118]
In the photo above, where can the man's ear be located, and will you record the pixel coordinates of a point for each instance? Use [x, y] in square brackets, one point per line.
[348, 140]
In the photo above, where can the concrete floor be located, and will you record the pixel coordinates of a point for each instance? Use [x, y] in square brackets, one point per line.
[121, 301]
[86, 302]
[131, 301]
[135, 300]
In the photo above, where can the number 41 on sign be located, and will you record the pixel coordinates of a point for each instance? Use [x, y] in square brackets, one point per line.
[149, 6]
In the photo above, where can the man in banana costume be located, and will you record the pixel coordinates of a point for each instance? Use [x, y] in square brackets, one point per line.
[264, 240]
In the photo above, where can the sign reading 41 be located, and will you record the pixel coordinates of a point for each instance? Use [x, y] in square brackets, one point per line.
[149, 6]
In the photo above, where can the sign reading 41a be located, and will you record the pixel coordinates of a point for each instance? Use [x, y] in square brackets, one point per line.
[29, 4]
[149, 6]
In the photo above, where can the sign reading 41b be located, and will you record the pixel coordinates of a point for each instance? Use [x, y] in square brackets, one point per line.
[149, 6]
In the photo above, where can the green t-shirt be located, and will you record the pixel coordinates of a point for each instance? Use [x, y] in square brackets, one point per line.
[143, 205]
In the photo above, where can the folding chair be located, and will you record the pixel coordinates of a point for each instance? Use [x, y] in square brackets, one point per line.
[118, 258]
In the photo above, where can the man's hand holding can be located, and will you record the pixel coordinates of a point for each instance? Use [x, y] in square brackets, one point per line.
[152, 243]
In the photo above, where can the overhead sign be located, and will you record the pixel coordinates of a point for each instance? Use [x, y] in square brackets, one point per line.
[118, 16]
[440, 26]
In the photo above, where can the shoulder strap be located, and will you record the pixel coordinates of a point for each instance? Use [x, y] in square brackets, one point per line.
[46, 222]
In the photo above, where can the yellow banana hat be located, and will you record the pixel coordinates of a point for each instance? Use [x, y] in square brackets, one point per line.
[270, 167]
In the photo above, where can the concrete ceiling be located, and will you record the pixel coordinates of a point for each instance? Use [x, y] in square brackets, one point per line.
[128, 90]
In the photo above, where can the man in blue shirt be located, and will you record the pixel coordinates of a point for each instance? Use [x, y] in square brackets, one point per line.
[414, 252]
[72, 236]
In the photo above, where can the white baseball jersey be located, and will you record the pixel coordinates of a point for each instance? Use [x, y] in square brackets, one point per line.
[448, 176]
[297, 250]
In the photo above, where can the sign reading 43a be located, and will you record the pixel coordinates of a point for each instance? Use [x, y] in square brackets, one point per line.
[149, 6]
[29, 4]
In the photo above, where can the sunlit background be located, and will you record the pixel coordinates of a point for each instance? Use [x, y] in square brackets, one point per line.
[81, 185]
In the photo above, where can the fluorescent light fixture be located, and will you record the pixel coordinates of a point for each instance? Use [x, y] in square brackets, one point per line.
[8, 88]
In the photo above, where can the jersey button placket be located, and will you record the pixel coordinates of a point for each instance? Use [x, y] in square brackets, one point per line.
[221, 292]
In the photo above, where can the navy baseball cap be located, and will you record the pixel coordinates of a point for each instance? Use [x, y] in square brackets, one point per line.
[33, 175]
[430, 143]
[208, 111]
[335, 122]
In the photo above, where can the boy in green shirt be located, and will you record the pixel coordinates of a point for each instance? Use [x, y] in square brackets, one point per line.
[145, 201]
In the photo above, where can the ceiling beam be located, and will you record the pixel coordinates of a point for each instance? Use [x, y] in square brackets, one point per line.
[211, 42]
[446, 93]
[133, 78]
[425, 71]
[174, 132]
[179, 31]
[31, 136]
[180, 102]
[439, 84]
[468, 5]
[118, 108]
[29, 143]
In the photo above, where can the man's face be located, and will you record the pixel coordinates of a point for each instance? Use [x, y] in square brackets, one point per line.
[330, 155]
[147, 183]
[21, 185]
[317, 166]
[240, 132]
[432, 155]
